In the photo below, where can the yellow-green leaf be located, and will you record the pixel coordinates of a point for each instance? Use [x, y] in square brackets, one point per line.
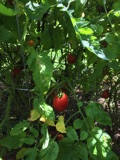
[34, 115]
[20, 153]
[60, 126]
[86, 31]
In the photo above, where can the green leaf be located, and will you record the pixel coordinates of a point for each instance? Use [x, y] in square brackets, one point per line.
[28, 140]
[51, 152]
[31, 154]
[80, 22]
[37, 12]
[99, 145]
[69, 32]
[95, 111]
[57, 36]
[83, 135]
[6, 11]
[42, 68]
[97, 29]
[86, 31]
[94, 49]
[19, 128]
[11, 142]
[6, 35]
[34, 131]
[111, 38]
[115, 65]
[67, 150]
[116, 6]
[77, 124]
[71, 133]
[112, 51]
[82, 148]
[45, 138]
[20, 153]
[46, 39]
[34, 115]
[44, 109]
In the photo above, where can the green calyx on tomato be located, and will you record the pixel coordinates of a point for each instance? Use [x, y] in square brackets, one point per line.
[60, 103]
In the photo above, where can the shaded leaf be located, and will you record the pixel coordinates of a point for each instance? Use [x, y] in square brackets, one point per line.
[95, 111]
[6, 35]
[71, 133]
[20, 153]
[19, 128]
[31, 154]
[28, 140]
[66, 150]
[51, 152]
[77, 124]
[11, 142]
[83, 135]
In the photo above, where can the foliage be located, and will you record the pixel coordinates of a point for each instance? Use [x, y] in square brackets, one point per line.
[90, 31]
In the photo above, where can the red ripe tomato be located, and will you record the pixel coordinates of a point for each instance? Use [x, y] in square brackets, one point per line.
[31, 43]
[60, 103]
[71, 58]
[105, 94]
[16, 71]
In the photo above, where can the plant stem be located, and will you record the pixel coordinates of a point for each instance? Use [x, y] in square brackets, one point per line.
[108, 16]
[71, 117]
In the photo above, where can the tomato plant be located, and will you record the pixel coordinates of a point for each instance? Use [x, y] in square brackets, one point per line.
[65, 46]
[60, 103]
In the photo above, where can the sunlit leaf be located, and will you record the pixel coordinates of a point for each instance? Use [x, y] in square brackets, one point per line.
[34, 115]
[99, 145]
[6, 11]
[42, 69]
[86, 31]
[51, 152]
[60, 125]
